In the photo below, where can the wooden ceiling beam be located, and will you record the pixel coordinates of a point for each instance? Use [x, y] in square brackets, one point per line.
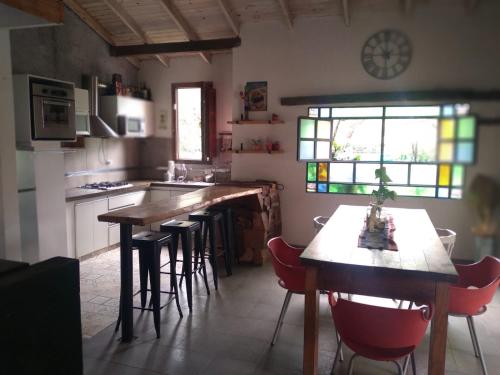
[133, 26]
[230, 17]
[285, 8]
[183, 25]
[408, 6]
[176, 47]
[346, 12]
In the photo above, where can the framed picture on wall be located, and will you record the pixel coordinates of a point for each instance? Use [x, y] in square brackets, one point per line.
[256, 95]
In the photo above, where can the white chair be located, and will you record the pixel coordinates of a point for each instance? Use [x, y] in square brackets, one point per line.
[448, 238]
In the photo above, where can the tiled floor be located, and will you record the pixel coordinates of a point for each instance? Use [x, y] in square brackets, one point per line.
[230, 330]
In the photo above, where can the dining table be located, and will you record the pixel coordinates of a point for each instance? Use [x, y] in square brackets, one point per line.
[154, 212]
[419, 269]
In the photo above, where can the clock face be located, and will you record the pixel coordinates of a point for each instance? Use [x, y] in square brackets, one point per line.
[386, 54]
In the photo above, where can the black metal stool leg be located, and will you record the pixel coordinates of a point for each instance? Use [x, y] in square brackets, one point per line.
[213, 253]
[225, 250]
[154, 279]
[187, 265]
[143, 275]
[200, 251]
[173, 276]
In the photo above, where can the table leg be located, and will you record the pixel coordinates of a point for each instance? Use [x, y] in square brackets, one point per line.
[126, 282]
[439, 328]
[311, 322]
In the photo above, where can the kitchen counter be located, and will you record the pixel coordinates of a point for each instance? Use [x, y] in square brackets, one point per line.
[75, 194]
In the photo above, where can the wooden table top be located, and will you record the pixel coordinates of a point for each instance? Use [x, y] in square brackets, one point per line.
[420, 251]
[169, 208]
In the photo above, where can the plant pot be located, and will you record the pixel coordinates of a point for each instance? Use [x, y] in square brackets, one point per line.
[485, 245]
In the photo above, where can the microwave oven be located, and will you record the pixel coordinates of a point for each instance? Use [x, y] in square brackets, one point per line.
[44, 109]
[130, 126]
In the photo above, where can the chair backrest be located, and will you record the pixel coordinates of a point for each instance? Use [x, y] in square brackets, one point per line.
[319, 222]
[448, 238]
[287, 265]
[476, 286]
[380, 328]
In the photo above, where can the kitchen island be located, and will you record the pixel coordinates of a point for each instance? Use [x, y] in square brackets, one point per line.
[158, 211]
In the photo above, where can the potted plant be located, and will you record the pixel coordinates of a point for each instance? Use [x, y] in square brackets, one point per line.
[484, 197]
[379, 196]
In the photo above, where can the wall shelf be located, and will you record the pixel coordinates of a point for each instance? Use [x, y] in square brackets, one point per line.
[257, 152]
[256, 122]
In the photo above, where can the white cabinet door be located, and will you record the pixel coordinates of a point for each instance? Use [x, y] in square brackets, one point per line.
[100, 228]
[84, 229]
[114, 234]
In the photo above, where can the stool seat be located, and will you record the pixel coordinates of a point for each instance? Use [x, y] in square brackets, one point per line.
[148, 237]
[205, 215]
[178, 226]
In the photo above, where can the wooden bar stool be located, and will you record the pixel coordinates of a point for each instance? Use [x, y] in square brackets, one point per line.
[149, 245]
[185, 230]
[208, 220]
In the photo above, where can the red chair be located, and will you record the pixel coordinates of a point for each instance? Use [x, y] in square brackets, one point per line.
[290, 272]
[484, 276]
[378, 333]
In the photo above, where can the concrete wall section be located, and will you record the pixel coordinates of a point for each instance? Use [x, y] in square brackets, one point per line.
[452, 49]
[66, 52]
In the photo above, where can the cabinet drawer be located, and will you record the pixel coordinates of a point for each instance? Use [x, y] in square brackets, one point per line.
[126, 200]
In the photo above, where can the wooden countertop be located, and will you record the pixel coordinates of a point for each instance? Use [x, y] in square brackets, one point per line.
[169, 208]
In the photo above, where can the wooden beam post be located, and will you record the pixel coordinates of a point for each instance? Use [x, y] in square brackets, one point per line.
[285, 8]
[176, 47]
[132, 25]
[346, 12]
[230, 17]
[408, 6]
[183, 25]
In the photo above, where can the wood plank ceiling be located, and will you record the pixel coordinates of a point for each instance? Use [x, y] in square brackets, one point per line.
[128, 22]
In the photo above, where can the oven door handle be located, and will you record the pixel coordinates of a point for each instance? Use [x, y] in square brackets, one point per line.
[59, 103]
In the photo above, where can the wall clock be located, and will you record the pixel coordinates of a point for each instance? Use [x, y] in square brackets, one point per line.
[386, 54]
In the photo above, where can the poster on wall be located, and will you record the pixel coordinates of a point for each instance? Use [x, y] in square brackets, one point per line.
[256, 95]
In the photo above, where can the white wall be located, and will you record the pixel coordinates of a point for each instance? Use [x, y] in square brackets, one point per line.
[187, 69]
[10, 243]
[452, 49]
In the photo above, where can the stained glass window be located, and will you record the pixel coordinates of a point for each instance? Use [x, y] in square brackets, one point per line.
[424, 148]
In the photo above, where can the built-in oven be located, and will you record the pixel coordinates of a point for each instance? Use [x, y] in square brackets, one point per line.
[130, 126]
[52, 110]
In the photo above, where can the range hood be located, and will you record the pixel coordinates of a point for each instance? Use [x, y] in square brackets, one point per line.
[98, 128]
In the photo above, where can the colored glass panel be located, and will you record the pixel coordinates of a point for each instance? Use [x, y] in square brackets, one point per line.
[446, 151]
[456, 193]
[324, 112]
[306, 150]
[322, 188]
[458, 175]
[311, 187]
[423, 174]
[415, 191]
[313, 112]
[447, 129]
[311, 171]
[443, 192]
[341, 172]
[323, 150]
[444, 175]
[338, 188]
[323, 129]
[466, 128]
[465, 152]
[306, 128]
[462, 109]
[398, 173]
[366, 173]
[448, 110]
[350, 189]
[322, 171]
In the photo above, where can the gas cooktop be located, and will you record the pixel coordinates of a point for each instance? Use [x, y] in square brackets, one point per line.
[107, 185]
